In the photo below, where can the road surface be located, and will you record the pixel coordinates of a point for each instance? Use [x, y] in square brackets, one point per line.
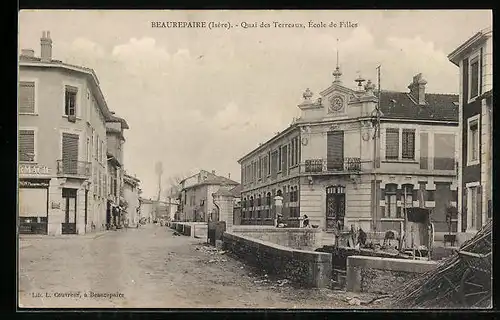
[150, 267]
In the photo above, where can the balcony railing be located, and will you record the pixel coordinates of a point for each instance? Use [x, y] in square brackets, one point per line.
[335, 165]
[81, 169]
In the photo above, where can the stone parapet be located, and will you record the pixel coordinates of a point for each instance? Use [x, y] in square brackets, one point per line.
[308, 268]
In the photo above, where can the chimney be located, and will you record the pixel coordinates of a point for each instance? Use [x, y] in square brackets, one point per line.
[229, 175]
[417, 89]
[28, 53]
[46, 47]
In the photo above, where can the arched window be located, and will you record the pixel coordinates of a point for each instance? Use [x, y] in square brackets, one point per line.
[279, 193]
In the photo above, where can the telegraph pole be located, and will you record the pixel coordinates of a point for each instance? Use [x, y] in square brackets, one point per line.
[376, 156]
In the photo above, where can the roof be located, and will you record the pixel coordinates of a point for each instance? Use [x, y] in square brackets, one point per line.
[234, 192]
[482, 35]
[114, 118]
[211, 179]
[131, 179]
[266, 144]
[401, 105]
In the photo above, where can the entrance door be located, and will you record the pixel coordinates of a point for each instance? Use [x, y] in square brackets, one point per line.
[335, 150]
[69, 202]
[335, 206]
[70, 153]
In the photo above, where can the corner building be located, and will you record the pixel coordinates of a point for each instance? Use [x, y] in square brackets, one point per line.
[328, 165]
[62, 118]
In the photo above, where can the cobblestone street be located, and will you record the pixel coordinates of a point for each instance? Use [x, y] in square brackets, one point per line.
[150, 267]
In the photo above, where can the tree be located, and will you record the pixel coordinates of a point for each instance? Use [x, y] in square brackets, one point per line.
[173, 185]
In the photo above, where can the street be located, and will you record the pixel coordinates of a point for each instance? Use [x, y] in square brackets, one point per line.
[150, 267]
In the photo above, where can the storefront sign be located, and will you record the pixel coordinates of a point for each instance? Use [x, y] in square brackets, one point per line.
[33, 184]
[33, 169]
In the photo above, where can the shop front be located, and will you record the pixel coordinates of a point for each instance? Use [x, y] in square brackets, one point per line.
[33, 205]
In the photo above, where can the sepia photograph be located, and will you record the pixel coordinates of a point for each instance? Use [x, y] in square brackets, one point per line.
[255, 159]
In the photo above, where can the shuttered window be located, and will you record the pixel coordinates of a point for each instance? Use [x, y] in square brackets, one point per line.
[70, 153]
[474, 78]
[70, 101]
[26, 97]
[408, 144]
[26, 145]
[392, 143]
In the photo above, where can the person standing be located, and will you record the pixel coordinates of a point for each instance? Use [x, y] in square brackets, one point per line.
[305, 222]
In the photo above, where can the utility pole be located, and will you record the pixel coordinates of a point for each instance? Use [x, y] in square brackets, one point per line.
[376, 156]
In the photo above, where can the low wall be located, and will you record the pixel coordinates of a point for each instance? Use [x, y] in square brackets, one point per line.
[191, 229]
[297, 238]
[382, 275]
[309, 268]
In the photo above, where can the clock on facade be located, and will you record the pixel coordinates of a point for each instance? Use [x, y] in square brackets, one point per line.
[336, 103]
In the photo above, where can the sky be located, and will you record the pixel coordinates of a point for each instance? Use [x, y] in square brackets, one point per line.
[201, 98]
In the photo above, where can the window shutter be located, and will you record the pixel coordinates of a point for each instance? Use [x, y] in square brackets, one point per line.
[479, 211]
[26, 97]
[464, 210]
[382, 194]
[26, 145]
[414, 195]
[392, 143]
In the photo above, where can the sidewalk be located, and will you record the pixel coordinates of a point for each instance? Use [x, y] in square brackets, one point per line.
[90, 235]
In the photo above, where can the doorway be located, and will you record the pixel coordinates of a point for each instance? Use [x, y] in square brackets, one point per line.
[335, 207]
[69, 202]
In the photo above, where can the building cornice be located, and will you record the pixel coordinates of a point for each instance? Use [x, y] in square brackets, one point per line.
[283, 133]
[89, 73]
[459, 52]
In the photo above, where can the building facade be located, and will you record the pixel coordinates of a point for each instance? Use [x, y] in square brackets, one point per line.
[475, 60]
[62, 145]
[131, 193]
[196, 203]
[333, 166]
[115, 127]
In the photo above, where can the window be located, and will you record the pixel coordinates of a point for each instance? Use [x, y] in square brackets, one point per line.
[473, 141]
[390, 201]
[392, 143]
[408, 144]
[294, 151]
[474, 77]
[70, 101]
[269, 163]
[27, 145]
[26, 97]
[259, 169]
[472, 207]
[279, 158]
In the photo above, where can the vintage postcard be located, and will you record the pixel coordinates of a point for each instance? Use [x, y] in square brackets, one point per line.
[255, 159]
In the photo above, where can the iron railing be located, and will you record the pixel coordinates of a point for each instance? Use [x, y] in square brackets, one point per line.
[73, 168]
[336, 165]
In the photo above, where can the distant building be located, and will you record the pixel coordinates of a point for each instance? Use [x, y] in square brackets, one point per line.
[115, 127]
[62, 145]
[196, 195]
[475, 60]
[131, 194]
[147, 208]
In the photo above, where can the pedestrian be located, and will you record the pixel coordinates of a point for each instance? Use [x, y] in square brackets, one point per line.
[305, 222]
[279, 220]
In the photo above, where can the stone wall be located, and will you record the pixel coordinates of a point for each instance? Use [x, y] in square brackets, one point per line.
[297, 238]
[308, 268]
[382, 275]
[191, 229]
